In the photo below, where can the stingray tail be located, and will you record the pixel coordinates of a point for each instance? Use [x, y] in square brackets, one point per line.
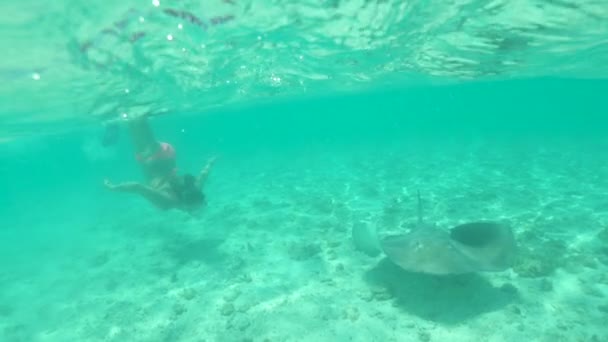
[366, 239]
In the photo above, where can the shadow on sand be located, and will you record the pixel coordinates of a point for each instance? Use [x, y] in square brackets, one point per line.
[184, 250]
[442, 299]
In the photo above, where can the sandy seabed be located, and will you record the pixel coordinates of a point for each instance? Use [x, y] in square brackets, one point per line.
[271, 257]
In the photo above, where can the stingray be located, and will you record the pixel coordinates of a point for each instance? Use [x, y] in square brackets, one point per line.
[481, 246]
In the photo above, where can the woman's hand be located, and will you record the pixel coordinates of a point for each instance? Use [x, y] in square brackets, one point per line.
[124, 187]
[211, 161]
[109, 185]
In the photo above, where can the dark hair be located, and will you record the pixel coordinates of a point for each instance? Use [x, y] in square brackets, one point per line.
[188, 191]
[189, 180]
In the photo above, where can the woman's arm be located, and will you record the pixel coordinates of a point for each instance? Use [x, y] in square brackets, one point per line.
[159, 198]
[202, 176]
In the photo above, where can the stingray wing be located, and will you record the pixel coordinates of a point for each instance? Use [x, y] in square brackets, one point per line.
[490, 246]
[428, 250]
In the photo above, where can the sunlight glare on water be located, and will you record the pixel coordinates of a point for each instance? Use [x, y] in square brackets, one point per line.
[192, 55]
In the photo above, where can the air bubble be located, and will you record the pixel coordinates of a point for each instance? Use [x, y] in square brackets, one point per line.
[275, 80]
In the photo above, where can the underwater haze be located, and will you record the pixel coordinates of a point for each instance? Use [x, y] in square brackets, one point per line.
[323, 116]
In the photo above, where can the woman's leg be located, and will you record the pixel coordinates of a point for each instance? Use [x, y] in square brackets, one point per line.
[141, 133]
[143, 137]
[145, 144]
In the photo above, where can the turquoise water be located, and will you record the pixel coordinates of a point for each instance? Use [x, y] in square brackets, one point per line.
[324, 116]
